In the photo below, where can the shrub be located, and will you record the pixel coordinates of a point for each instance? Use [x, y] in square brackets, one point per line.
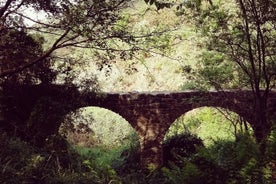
[16, 158]
[233, 162]
[180, 146]
[130, 157]
[55, 163]
[189, 174]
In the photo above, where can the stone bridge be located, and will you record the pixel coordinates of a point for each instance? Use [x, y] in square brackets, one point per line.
[151, 113]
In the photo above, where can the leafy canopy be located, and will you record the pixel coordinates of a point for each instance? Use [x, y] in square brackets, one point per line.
[94, 24]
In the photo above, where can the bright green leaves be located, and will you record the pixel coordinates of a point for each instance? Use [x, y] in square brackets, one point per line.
[213, 20]
[90, 19]
[122, 23]
[213, 71]
[161, 41]
[216, 70]
[238, 30]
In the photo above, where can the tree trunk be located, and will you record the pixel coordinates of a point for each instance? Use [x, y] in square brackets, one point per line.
[262, 125]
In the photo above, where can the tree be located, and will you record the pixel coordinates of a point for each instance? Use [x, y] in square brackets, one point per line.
[19, 48]
[93, 24]
[239, 49]
[247, 38]
[70, 23]
[27, 56]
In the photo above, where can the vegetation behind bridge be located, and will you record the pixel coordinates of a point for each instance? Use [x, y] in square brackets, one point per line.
[125, 45]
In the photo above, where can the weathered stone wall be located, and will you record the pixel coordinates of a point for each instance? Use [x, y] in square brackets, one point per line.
[151, 114]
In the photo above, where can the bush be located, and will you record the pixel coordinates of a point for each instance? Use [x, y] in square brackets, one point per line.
[222, 163]
[180, 146]
[130, 157]
[55, 163]
[189, 174]
[233, 162]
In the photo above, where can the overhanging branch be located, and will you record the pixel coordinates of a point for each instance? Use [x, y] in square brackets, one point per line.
[39, 59]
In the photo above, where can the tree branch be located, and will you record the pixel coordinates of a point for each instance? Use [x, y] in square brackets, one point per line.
[39, 59]
[5, 7]
[256, 79]
[37, 22]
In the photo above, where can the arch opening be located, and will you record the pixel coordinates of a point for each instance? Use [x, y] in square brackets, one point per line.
[94, 126]
[209, 135]
[210, 124]
[101, 136]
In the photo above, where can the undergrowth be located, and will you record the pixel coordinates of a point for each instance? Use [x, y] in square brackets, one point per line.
[187, 161]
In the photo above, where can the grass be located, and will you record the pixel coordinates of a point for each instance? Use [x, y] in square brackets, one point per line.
[101, 155]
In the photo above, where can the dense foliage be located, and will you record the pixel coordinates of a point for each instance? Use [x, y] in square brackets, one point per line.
[224, 162]
[44, 140]
[97, 25]
[179, 147]
[239, 51]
